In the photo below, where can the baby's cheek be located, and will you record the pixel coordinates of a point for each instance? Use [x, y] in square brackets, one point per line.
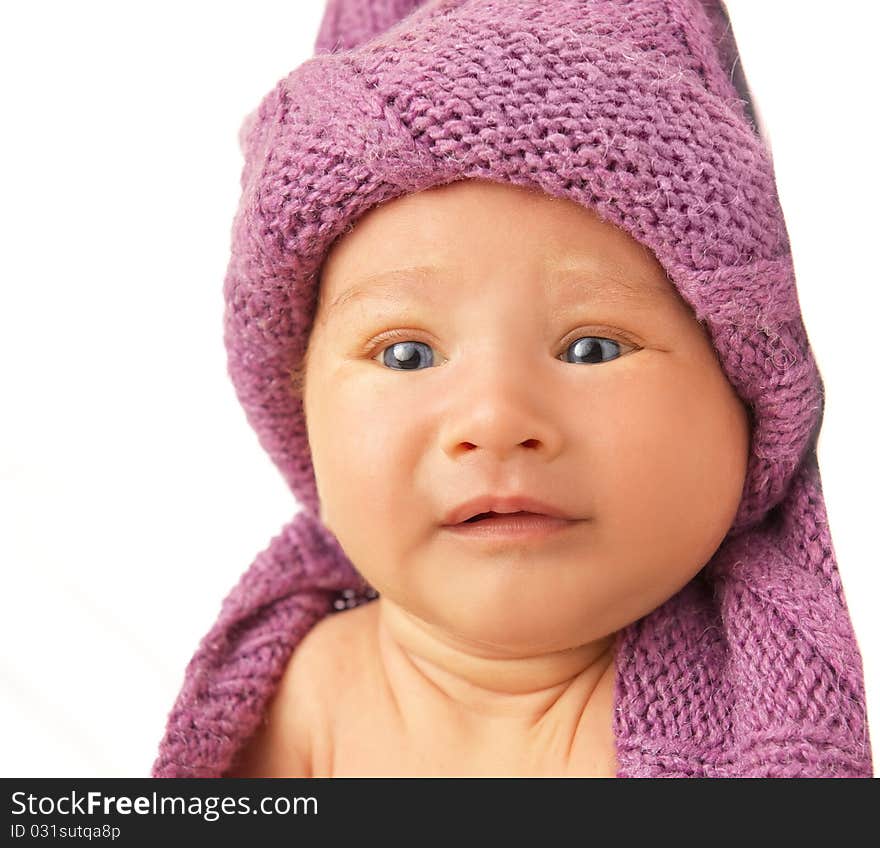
[664, 485]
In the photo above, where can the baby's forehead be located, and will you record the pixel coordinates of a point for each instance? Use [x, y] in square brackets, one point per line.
[466, 215]
[410, 248]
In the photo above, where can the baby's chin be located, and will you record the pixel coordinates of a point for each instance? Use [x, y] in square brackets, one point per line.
[514, 630]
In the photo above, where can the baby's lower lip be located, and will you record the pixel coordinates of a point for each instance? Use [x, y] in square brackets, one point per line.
[520, 525]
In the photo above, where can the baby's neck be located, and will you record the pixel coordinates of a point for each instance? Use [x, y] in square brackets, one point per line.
[479, 688]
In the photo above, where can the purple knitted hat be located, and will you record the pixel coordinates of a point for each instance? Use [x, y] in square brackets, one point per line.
[625, 107]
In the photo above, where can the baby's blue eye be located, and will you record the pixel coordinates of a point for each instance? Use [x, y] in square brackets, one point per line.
[406, 356]
[589, 349]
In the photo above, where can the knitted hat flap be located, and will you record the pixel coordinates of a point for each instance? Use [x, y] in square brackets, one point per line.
[626, 107]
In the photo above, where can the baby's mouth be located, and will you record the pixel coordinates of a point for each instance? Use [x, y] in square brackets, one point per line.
[510, 527]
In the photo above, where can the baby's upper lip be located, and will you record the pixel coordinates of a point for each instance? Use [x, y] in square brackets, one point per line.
[502, 504]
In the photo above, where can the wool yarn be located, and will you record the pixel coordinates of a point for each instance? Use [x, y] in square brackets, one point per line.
[629, 108]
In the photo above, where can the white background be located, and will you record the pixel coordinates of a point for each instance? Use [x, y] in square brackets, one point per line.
[132, 491]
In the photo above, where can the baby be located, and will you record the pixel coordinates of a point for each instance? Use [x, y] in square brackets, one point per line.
[584, 535]
[559, 381]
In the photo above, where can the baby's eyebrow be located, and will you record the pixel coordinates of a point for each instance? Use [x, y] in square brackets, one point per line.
[571, 282]
[386, 285]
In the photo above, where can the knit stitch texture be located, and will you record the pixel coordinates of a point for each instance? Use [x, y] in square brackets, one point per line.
[627, 108]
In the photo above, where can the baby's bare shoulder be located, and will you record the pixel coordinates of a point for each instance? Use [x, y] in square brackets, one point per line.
[298, 714]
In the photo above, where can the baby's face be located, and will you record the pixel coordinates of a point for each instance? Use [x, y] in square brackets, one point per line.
[543, 352]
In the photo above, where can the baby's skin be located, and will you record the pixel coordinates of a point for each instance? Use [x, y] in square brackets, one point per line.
[541, 352]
